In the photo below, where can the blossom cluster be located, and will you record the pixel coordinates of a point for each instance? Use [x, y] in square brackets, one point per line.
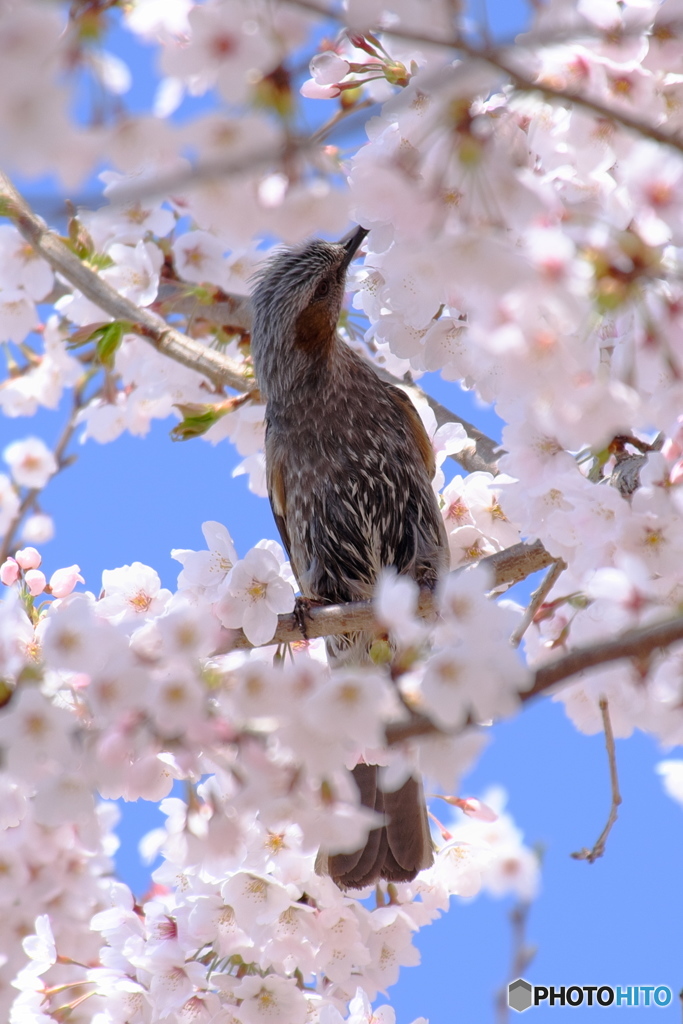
[124, 693]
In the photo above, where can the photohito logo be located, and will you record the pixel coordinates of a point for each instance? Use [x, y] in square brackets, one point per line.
[522, 995]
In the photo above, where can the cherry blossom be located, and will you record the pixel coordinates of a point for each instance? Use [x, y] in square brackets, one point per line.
[206, 571]
[31, 462]
[28, 558]
[38, 529]
[63, 581]
[9, 571]
[35, 581]
[255, 595]
[133, 591]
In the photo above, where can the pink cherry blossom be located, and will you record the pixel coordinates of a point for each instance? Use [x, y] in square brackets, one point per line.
[35, 581]
[63, 581]
[314, 90]
[131, 592]
[28, 558]
[41, 946]
[9, 572]
[136, 271]
[199, 256]
[271, 999]
[328, 68]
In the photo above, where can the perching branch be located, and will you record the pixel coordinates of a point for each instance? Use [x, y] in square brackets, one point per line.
[640, 643]
[508, 567]
[599, 848]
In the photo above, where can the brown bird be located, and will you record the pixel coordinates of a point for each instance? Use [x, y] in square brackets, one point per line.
[349, 469]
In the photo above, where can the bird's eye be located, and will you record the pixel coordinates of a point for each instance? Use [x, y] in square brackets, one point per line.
[322, 290]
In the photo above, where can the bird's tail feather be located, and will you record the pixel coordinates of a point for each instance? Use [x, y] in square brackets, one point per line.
[395, 851]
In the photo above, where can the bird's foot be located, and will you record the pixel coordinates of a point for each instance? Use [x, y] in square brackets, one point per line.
[302, 611]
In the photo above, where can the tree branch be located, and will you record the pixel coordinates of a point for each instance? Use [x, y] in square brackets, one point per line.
[522, 82]
[640, 643]
[635, 643]
[482, 456]
[494, 57]
[217, 367]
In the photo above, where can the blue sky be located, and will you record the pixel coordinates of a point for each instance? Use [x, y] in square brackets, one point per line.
[615, 922]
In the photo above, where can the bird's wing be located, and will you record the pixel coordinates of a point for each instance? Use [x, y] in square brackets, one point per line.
[275, 482]
[411, 417]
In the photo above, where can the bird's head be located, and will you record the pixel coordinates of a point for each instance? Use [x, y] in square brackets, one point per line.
[297, 302]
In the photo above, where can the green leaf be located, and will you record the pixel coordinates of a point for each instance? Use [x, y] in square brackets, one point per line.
[85, 334]
[109, 341]
[106, 336]
[197, 419]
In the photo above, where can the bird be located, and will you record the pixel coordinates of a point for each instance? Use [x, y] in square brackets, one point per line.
[349, 467]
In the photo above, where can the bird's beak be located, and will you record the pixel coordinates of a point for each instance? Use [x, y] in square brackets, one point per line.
[352, 243]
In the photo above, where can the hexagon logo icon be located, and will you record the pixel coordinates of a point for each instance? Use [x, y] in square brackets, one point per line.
[519, 995]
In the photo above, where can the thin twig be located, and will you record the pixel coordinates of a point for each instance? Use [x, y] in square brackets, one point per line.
[32, 495]
[537, 598]
[522, 955]
[599, 848]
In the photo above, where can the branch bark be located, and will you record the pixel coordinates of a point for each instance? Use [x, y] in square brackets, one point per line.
[639, 643]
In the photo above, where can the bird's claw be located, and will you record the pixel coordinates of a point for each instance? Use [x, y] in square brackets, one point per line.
[302, 611]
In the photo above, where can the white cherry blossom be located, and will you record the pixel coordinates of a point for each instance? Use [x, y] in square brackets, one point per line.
[255, 595]
[31, 462]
